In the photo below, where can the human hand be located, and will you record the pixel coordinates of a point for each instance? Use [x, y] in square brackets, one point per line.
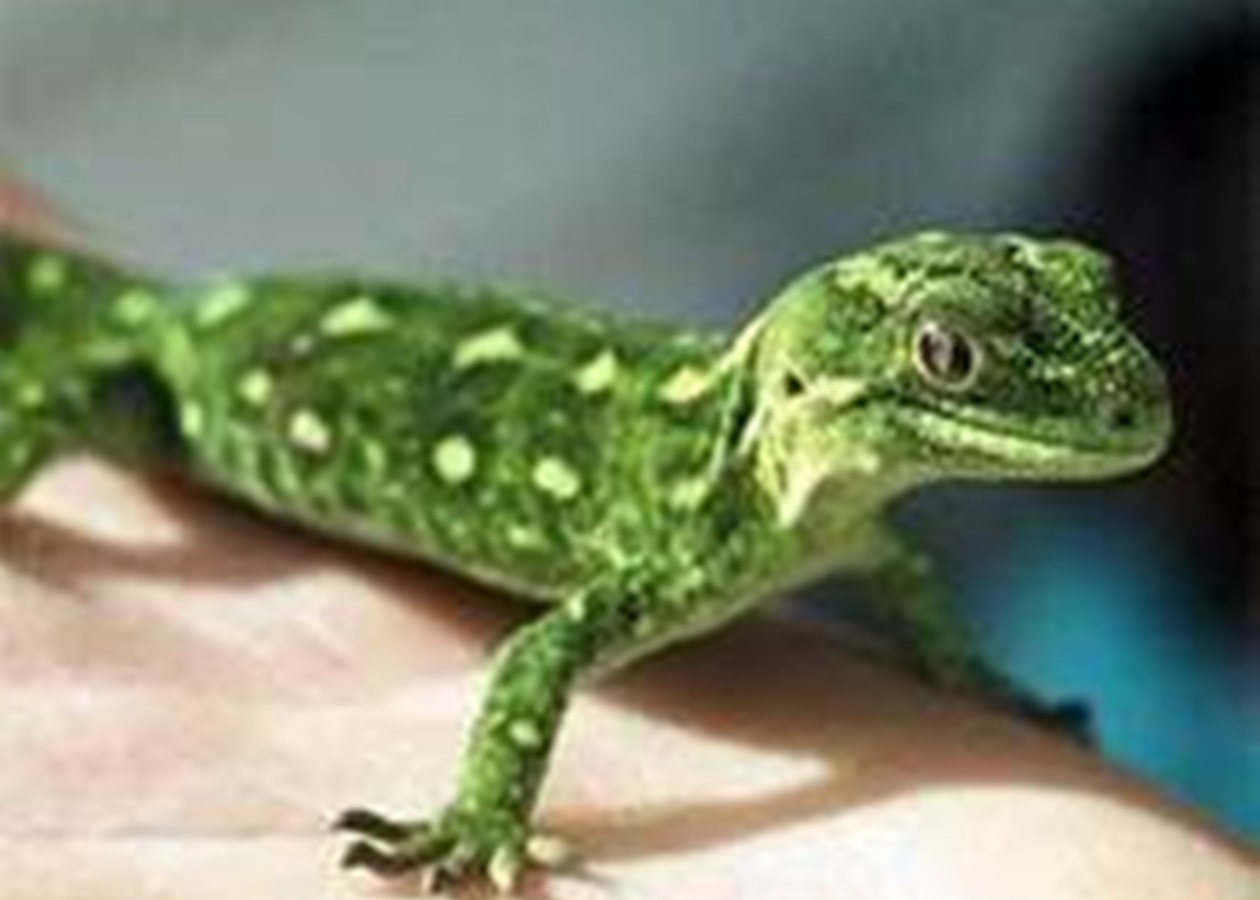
[188, 694]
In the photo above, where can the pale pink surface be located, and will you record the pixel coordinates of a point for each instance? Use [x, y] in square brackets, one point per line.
[187, 693]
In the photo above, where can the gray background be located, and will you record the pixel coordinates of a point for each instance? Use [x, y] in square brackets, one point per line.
[660, 156]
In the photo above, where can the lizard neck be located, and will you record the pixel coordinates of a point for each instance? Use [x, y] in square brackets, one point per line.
[773, 514]
[810, 456]
[808, 476]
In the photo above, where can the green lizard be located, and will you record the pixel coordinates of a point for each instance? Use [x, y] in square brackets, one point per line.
[647, 483]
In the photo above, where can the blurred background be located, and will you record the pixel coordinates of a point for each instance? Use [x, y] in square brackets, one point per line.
[683, 159]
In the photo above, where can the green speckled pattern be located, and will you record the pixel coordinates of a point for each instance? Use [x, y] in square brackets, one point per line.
[647, 482]
[456, 426]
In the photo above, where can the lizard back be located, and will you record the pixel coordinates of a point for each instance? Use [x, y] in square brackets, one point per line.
[494, 434]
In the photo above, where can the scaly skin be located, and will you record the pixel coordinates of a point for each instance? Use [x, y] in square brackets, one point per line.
[647, 483]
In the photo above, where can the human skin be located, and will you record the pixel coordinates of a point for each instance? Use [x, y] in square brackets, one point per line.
[187, 692]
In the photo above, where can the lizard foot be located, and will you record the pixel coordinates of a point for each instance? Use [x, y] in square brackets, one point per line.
[1071, 719]
[455, 849]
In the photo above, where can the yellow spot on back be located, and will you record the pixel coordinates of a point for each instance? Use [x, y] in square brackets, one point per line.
[496, 345]
[256, 387]
[48, 274]
[525, 733]
[686, 385]
[135, 307]
[455, 459]
[872, 274]
[374, 457]
[309, 432]
[578, 608]
[557, 478]
[31, 395]
[690, 493]
[598, 374]
[361, 315]
[523, 537]
[222, 302]
[192, 419]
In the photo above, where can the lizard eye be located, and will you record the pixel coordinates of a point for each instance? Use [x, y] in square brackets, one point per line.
[946, 356]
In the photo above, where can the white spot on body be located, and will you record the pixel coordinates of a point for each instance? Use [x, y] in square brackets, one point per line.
[690, 493]
[523, 536]
[557, 478]
[687, 384]
[256, 387]
[496, 345]
[525, 733]
[31, 395]
[135, 307]
[597, 375]
[577, 608]
[192, 419]
[374, 456]
[454, 459]
[361, 315]
[48, 274]
[222, 303]
[308, 431]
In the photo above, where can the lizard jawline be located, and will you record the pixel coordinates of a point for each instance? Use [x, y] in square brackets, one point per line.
[1017, 454]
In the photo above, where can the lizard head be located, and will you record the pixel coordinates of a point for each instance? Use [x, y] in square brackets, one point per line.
[945, 356]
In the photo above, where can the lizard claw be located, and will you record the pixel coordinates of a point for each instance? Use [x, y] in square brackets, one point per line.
[365, 855]
[455, 849]
[373, 825]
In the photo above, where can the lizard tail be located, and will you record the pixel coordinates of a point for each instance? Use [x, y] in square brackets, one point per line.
[72, 328]
[78, 298]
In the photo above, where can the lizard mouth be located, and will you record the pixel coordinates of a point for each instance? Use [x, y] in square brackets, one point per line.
[1121, 441]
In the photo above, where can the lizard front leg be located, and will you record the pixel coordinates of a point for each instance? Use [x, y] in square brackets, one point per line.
[914, 604]
[486, 830]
